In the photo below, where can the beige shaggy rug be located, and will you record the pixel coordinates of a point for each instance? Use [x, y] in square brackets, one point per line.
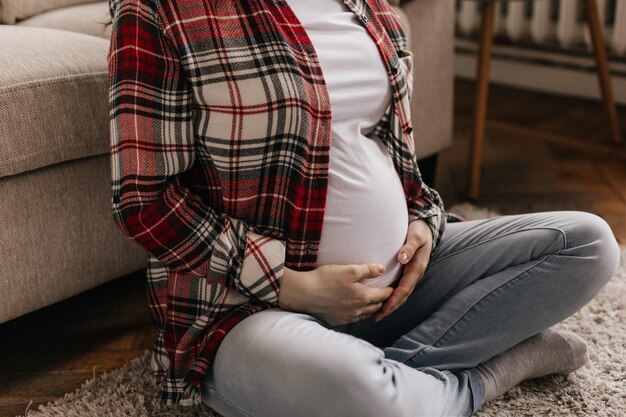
[598, 389]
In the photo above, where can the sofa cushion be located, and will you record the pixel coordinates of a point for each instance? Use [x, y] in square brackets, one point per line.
[86, 18]
[15, 10]
[53, 96]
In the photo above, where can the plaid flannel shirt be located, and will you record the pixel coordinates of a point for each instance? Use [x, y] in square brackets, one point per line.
[220, 134]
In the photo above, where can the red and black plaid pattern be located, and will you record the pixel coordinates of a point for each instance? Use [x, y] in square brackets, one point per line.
[220, 135]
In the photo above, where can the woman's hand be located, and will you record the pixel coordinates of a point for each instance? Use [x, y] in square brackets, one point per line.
[417, 249]
[333, 293]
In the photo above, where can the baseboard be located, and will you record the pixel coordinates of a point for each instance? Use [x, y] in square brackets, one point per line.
[566, 73]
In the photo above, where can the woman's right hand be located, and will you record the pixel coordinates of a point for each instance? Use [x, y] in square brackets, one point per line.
[333, 293]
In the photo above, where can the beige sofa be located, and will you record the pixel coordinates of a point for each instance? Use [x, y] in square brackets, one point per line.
[57, 237]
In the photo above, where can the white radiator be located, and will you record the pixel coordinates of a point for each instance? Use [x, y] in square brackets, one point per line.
[549, 40]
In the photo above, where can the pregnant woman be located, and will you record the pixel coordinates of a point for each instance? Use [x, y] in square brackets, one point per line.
[263, 155]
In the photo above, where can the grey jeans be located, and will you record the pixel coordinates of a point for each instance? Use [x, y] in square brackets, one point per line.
[490, 284]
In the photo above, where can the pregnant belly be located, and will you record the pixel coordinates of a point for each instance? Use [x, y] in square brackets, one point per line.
[366, 217]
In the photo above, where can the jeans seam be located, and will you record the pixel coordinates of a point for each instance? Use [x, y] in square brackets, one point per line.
[228, 402]
[563, 234]
[473, 306]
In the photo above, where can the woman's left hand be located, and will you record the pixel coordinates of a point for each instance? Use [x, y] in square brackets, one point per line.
[417, 248]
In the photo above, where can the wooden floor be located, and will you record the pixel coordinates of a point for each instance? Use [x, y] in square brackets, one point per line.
[542, 153]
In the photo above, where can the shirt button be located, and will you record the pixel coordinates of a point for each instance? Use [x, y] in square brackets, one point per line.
[394, 70]
[364, 17]
[409, 130]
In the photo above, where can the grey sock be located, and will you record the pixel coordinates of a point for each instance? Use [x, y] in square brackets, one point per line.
[549, 352]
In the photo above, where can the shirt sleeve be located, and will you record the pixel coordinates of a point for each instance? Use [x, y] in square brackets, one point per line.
[152, 143]
[428, 206]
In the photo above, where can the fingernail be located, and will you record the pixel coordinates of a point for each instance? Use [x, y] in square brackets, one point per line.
[381, 268]
[403, 257]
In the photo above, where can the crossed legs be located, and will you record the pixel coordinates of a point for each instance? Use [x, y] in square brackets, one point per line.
[490, 285]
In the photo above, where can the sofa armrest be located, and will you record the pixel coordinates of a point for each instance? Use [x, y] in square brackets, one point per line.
[431, 24]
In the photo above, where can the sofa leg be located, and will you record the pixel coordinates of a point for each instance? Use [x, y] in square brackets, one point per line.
[428, 169]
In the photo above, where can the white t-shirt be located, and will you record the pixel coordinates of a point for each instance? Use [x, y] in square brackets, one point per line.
[366, 217]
